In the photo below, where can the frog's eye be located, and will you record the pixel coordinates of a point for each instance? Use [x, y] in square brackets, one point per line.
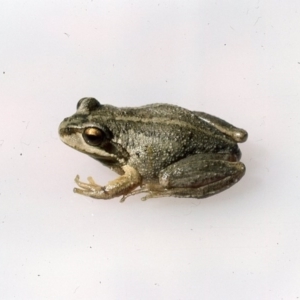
[93, 136]
[87, 104]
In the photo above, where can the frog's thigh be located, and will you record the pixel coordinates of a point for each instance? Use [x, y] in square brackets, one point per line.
[237, 134]
[196, 177]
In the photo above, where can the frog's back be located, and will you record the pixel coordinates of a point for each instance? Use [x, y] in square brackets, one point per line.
[158, 135]
[172, 116]
[166, 122]
[160, 111]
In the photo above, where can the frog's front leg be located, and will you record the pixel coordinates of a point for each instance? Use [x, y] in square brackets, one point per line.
[199, 176]
[120, 186]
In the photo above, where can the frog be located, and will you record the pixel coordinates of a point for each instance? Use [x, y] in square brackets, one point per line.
[161, 150]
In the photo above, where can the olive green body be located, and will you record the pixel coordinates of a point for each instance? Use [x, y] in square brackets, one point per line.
[171, 150]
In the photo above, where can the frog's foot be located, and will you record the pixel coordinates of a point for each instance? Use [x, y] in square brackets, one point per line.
[123, 185]
[88, 189]
[84, 185]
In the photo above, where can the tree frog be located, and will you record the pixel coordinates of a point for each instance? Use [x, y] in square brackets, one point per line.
[158, 149]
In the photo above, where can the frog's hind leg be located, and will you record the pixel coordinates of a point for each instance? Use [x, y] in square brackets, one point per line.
[199, 177]
[237, 134]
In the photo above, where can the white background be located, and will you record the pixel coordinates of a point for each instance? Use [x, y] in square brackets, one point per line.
[239, 60]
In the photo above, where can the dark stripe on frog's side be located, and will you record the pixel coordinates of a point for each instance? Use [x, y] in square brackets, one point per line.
[198, 140]
[164, 113]
[187, 120]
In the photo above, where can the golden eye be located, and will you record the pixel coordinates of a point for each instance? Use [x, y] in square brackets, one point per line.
[93, 136]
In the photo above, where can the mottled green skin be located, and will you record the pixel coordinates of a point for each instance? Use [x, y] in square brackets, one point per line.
[151, 138]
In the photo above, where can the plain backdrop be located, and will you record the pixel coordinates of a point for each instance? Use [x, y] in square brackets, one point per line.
[238, 60]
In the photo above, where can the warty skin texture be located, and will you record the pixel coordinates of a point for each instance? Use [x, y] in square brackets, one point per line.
[151, 138]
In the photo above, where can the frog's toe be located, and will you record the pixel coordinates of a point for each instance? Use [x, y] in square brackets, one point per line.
[92, 185]
[93, 193]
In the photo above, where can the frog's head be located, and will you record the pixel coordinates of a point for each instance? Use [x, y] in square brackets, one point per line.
[87, 132]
